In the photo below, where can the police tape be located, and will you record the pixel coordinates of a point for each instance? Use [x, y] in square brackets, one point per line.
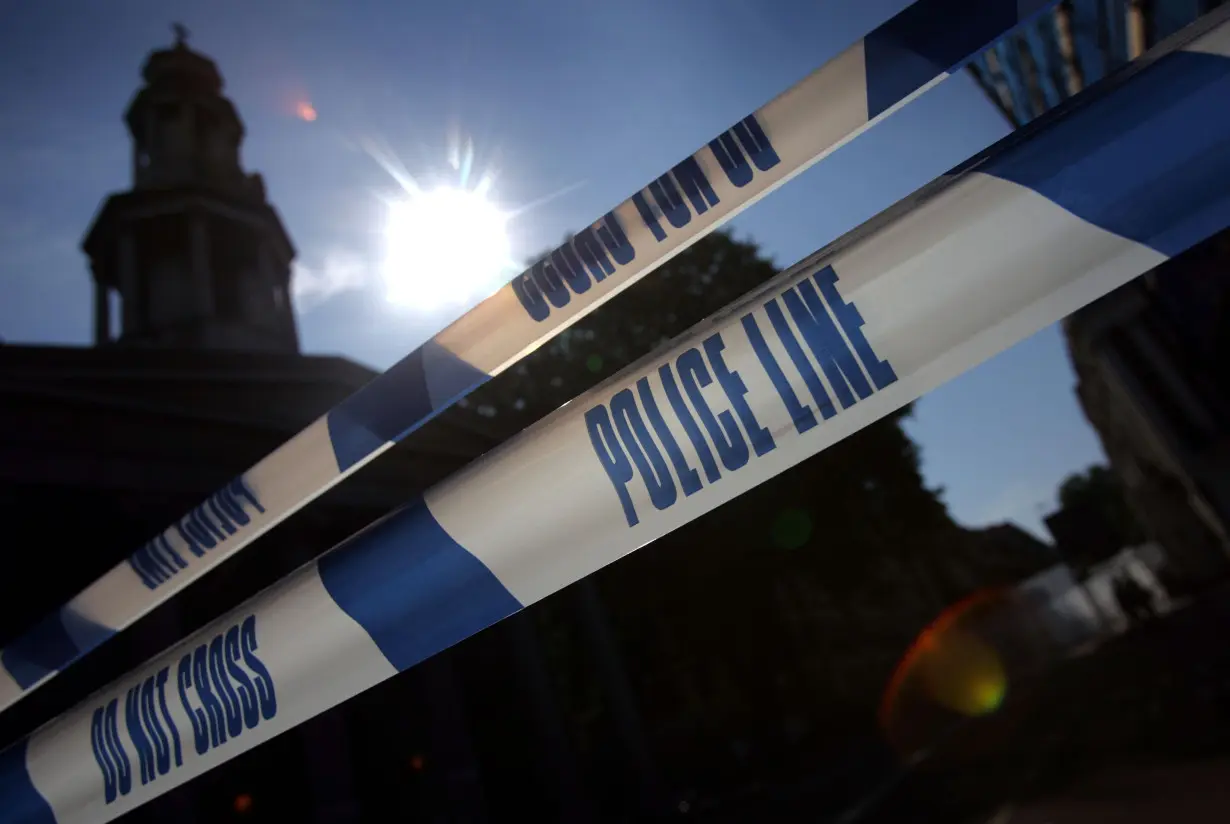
[887, 69]
[1038, 227]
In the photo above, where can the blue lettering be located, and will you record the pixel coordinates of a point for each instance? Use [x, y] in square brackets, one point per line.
[756, 143]
[220, 514]
[728, 155]
[160, 680]
[531, 299]
[247, 693]
[147, 567]
[136, 733]
[137, 562]
[851, 321]
[723, 430]
[799, 413]
[200, 728]
[230, 508]
[670, 201]
[818, 393]
[153, 727]
[210, 703]
[640, 445]
[195, 533]
[168, 553]
[550, 283]
[613, 237]
[102, 757]
[264, 682]
[202, 518]
[689, 424]
[726, 151]
[695, 185]
[647, 215]
[111, 739]
[736, 391]
[612, 457]
[230, 701]
[593, 255]
[564, 260]
[223, 688]
[574, 265]
[190, 540]
[240, 489]
[689, 479]
[156, 562]
[165, 561]
[826, 343]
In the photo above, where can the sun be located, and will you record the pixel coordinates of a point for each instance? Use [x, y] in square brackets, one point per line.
[444, 246]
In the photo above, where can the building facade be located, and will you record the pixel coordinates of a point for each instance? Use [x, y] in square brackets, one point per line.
[1074, 46]
[195, 375]
[1150, 358]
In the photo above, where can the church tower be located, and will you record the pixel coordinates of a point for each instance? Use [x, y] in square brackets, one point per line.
[195, 253]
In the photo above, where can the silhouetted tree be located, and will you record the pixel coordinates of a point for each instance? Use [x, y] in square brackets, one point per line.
[1099, 489]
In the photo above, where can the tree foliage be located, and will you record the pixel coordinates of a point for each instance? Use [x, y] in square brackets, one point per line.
[1098, 489]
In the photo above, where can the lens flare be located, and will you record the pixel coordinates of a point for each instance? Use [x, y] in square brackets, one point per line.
[963, 674]
[949, 669]
[305, 111]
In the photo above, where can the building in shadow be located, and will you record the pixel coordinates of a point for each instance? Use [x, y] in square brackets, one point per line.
[1150, 358]
[195, 375]
[1073, 46]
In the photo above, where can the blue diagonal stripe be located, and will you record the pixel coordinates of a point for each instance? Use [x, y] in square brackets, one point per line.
[19, 800]
[1171, 123]
[931, 37]
[394, 404]
[413, 588]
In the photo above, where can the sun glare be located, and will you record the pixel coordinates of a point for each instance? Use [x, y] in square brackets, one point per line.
[444, 246]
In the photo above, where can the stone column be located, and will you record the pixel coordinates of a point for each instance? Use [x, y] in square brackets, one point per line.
[284, 310]
[102, 314]
[131, 311]
[198, 262]
[267, 278]
[1137, 29]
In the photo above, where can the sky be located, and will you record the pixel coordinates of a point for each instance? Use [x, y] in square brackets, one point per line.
[575, 104]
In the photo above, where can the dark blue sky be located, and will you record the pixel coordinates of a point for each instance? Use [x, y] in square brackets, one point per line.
[587, 96]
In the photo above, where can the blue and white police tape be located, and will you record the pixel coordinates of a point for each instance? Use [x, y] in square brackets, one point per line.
[1038, 228]
[884, 71]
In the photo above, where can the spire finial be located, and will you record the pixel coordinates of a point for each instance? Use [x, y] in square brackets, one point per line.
[181, 35]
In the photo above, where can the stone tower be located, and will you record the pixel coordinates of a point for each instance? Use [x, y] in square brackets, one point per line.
[195, 253]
